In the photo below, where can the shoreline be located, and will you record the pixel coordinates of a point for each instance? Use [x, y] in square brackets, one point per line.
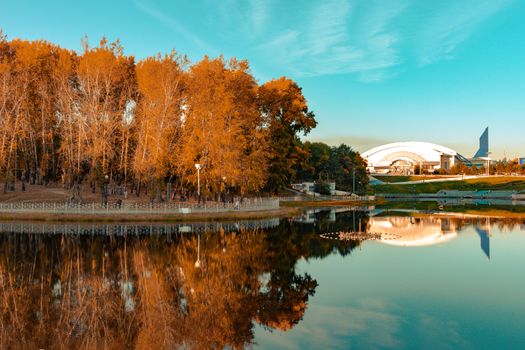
[286, 209]
[149, 217]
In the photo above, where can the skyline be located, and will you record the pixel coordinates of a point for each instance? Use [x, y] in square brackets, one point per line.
[373, 74]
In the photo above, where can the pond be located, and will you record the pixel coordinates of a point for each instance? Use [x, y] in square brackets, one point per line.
[339, 278]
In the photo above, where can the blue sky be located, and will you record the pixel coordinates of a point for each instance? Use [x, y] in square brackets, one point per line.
[373, 71]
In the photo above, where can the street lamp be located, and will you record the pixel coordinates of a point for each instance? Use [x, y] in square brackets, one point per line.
[198, 167]
[223, 191]
[105, 191]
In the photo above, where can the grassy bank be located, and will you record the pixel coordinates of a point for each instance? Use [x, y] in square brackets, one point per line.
[435, 206]
[501, 183]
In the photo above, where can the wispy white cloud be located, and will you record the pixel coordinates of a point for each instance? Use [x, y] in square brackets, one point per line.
[372, 39]
[367, 326]
[176, 26]
[445, 332]
[327, 45]
[329, 26]
[452, 25]
[259, 15]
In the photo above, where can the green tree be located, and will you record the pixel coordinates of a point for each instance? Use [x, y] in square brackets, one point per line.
[348, 168]
[317, 166]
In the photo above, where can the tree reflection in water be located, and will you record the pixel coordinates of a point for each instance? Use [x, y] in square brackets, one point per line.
[146, 292]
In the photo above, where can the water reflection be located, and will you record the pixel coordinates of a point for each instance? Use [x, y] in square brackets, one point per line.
[437, 229]
[484, 235]
[133, 229]
[413, 232]
[92, 287]
[405, 228]
[199, 286]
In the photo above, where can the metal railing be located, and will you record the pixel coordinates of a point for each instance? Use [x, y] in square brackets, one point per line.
[326, 198]
[250, 204]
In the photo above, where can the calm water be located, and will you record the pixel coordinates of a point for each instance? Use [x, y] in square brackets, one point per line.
[446, 281]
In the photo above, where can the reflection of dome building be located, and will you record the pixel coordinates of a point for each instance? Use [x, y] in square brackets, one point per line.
[403, 157]
[411, 231]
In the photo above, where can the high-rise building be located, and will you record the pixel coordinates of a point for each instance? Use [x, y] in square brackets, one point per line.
[483, 150]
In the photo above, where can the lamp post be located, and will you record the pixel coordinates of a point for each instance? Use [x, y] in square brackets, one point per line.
[198, 167]
[105, 193]
[198, 261]
[223, 191]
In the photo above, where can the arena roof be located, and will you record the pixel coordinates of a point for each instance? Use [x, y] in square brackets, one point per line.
[414, 152]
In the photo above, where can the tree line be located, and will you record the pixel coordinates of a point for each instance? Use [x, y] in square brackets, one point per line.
[81, 118]
[339, 164]
[500, 167]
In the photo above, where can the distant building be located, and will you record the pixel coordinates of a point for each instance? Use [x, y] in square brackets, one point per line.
[483, 150]
[402, 158]
[481, 159]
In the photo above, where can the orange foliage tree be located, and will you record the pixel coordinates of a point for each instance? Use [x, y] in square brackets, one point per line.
[106, 83]
[159, 117]
[74, 118]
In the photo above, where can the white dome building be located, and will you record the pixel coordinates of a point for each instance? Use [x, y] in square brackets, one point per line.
[403, 157]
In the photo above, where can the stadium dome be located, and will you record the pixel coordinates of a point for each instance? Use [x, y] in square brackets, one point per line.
[403, 157]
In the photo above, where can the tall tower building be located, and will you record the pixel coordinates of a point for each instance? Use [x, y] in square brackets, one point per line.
[483, 150]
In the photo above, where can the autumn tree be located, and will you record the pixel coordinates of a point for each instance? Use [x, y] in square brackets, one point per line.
[204, 123]
[248, 138]
[159, 117]
[29, 142]
[7, 107]
[36, 64]
[72, 127]
[286, 115]
[222, 128]
[106, 87]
